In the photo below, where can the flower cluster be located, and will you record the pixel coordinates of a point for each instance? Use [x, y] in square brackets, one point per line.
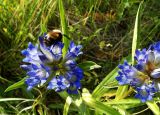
[144, 76]
[46, 65]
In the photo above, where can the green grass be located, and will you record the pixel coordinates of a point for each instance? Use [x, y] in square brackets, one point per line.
[104, 27]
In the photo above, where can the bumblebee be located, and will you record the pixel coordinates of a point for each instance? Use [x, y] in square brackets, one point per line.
[53, 37]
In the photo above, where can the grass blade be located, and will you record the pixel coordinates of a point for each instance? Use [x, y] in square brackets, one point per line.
[88, 65]
[97, 105]
[63, 26]
[16, 85]
[136, 33]
[98, 91]
[101, 89]
[15, 99]
[154, 107]
[67, 104]
[121, 92]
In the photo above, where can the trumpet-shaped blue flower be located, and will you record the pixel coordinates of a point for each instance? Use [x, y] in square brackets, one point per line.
[145, 92]
[59, 84]
[44, 62]
[32, 54]
[73, 51]
[144, 75]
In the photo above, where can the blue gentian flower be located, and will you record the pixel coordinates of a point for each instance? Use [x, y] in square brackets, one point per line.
[145, 92]
[32, 54]
[144, 76]
[73, 51]
[44, 62]
[58, 84]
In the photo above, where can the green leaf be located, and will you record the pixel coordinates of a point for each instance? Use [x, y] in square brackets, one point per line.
[101, 88]
[123, 101]
[121, 8]
[5, 80]
[24, 109]
[63, 94]
[63, 26]
[136, 33]
[154, 107]
[88, 65]
[97, 105]
[15, 99]
[67, 104]
[121, 92]
[16, 85]
[83, 108]
[77, 101]
[123, 104]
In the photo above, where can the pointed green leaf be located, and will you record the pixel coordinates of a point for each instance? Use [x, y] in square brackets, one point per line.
[63, 94]
[16, 85]
[136, 33]
[123, 101]
[63, 26]
[88, 65]
[154, 107]
[101, 88]
[97, 105]
[121, 92]
[67, 104]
